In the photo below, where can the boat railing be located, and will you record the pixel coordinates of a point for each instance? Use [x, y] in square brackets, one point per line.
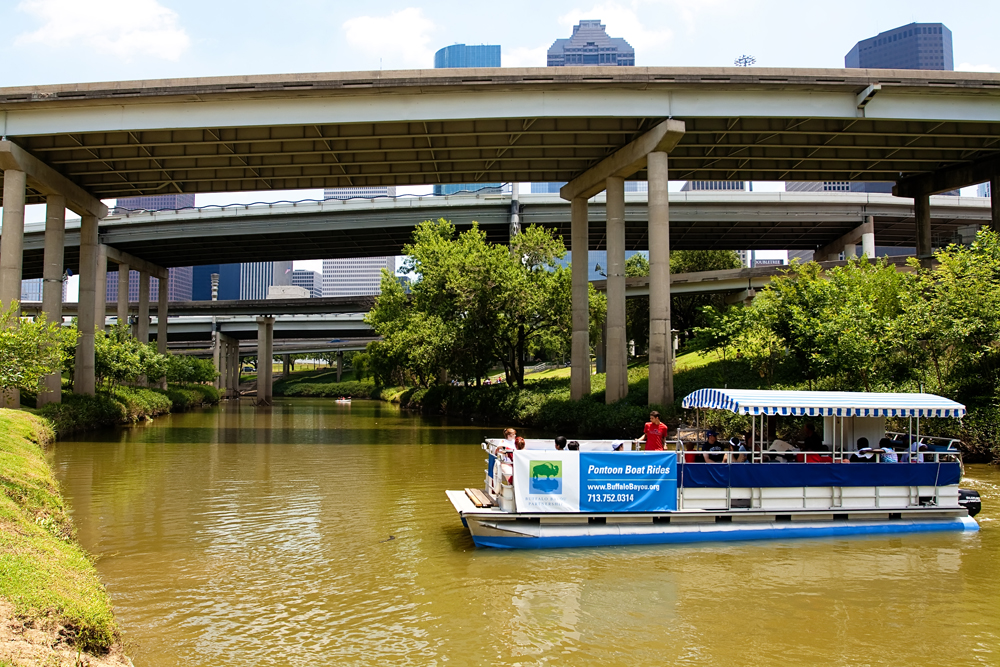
[697, 456]
[944, 443]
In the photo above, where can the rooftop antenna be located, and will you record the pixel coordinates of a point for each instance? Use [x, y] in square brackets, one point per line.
[744, 61]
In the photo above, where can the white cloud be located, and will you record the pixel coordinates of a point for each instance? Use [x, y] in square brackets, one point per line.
[969, 67]
[122, 28]
[524, 56]
[401, 39]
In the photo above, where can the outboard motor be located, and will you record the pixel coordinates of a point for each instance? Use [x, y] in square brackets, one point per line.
[969, 499]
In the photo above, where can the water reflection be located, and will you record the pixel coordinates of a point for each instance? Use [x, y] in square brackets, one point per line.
[318, 534]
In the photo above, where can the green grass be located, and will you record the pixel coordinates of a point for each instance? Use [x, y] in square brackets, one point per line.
[44, 573]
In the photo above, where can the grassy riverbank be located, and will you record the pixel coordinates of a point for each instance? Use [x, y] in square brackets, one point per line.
[123, 405]
[52, 603]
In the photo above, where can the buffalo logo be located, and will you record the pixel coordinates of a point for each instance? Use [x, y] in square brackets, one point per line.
[545, 477]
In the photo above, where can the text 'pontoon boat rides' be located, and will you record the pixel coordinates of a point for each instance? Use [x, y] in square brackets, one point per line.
[539, 497]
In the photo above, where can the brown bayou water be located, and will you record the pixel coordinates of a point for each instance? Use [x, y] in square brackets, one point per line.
[235, 537]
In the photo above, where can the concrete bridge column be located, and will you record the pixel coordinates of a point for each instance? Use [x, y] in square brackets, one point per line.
[52, 284]
[11, 254]
[340, 364]
[220, 381]
[123, 272]
[265, 354]
[101, 289]
[286, 364]
[617, 359]
[221, 354]
[922, 213]
[850, 251]
[12, 242]
[84, 381]
[580, 351]
[234, 368]
[661, 350]
[142, 329]
[868, 238]
[161, 315]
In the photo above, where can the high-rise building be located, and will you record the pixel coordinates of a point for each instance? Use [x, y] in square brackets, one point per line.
[355, 277]
[229, 282]
[912, 46]
[31, 290]
[817, 186]
[553, 188]
[179, 283]
[462, 55]
[590, 45]
[360, 192]
[179, 278]
[713, 185]
[155, 202]
[310, 280]
[249, 280]
[983, 190]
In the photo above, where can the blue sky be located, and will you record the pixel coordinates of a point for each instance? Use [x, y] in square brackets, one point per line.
[63, 41]
[59, 41]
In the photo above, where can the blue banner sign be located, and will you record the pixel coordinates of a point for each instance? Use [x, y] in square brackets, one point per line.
[564, 481]
[628, 482]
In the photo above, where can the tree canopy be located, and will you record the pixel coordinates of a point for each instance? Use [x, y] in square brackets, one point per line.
[474, 304]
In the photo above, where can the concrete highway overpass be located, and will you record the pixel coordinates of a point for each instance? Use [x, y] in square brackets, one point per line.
[73, 145]
[370, 228]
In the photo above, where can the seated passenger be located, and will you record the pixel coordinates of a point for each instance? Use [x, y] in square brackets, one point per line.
[811, 441]
[573, 446]
[740, 453]
[781, 446]
[865, 454]
[713, 445]
[690, 456]
[888, 453]
[509, 434]
[915, 451]
[519, 442]
[560, 442]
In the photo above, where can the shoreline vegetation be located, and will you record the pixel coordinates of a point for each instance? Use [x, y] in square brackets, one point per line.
[54, 609]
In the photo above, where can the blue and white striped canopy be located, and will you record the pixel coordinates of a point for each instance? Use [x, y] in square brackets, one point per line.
[824, 403]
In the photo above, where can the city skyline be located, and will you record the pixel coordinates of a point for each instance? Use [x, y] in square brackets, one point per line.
[175, 38]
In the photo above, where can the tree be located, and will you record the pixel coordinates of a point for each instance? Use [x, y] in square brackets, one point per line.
[119, 358]
[686, 312]
[30, 349]
[474, 304]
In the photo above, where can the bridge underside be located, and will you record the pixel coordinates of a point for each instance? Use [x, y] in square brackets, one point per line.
[486, 125]
[698, 222]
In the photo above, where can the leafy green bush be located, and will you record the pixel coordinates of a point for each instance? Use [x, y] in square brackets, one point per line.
[185, 369]
[329, 390]
[30, 349]
[122, 405]
[184, 397]
[121, 359]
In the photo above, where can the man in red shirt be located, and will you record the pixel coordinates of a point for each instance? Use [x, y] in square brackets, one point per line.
[654, 433]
